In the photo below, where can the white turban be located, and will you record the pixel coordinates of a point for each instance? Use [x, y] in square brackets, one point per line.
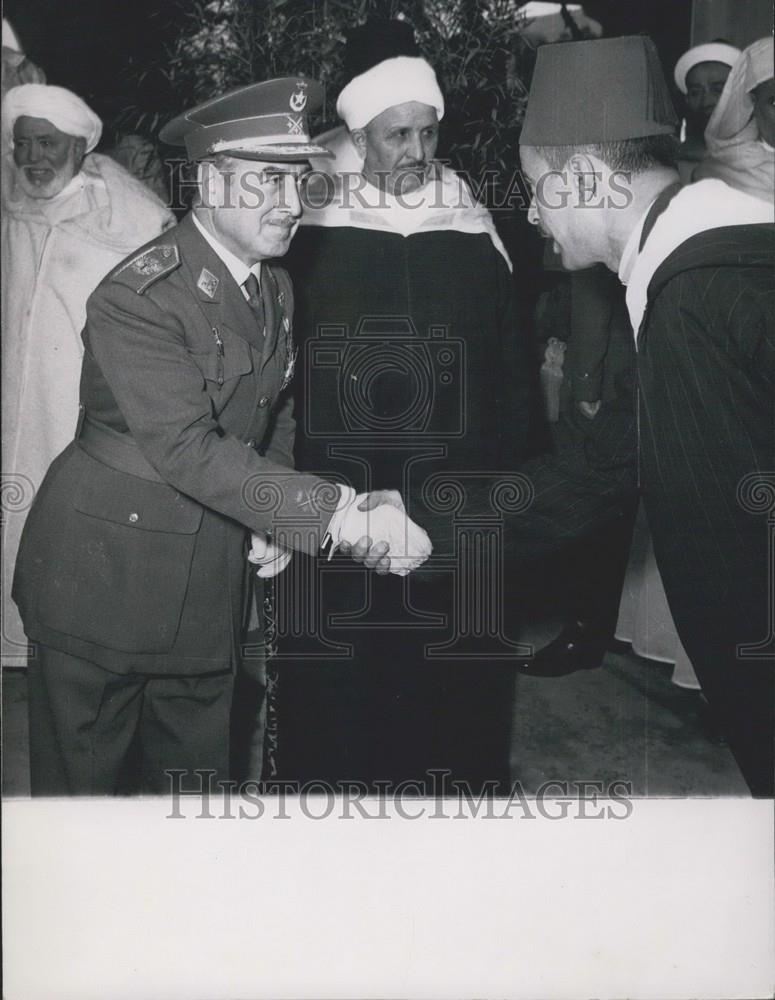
[711, 52]
[391, 82]
[61, 107]
[735, 153]
[732, 120]
[10, 41]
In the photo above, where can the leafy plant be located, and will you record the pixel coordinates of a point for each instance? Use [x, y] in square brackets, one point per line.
[477, 50]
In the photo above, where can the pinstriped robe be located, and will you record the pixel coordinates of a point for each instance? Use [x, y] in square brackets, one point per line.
[706, 365]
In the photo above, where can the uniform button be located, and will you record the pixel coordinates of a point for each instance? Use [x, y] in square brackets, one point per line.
[251, 443]
[134, 518]
[263, 401]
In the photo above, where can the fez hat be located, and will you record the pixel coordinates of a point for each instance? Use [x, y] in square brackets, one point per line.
[262, 121]
[603, 90]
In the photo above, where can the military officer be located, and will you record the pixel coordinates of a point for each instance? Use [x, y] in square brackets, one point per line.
[132, 576]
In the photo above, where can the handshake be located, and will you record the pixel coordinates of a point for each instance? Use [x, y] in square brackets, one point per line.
[373, 528]
[376, 530]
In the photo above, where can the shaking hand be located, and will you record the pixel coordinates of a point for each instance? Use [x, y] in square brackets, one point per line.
[375, 529]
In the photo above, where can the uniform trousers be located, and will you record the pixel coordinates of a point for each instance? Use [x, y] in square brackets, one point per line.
[90, 728]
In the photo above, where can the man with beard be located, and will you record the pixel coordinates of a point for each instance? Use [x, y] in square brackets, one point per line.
[69, 216]
[411, 365]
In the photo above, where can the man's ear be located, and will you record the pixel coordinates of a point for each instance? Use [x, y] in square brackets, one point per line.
[586, 174]
[79, 151]
[358, 136]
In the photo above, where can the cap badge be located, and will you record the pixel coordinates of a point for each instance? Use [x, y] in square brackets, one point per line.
[295, 125]
[298, 99]
[207, 283]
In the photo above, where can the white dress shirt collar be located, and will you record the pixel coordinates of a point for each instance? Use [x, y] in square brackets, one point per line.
[236, 268]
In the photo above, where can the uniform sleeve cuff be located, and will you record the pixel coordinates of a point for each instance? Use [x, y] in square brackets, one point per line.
[333, 535]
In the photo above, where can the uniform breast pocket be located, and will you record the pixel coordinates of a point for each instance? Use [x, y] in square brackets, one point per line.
[121, 575]
[229, 358]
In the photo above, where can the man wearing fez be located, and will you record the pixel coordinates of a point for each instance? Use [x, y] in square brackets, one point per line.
[68, 216]
[698, 266]
[132, 576]
[432, 376]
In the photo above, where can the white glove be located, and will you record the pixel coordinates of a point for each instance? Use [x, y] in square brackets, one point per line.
[270, 557]
[409, 543]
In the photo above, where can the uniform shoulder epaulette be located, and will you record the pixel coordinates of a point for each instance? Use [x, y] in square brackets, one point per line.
[147, 267]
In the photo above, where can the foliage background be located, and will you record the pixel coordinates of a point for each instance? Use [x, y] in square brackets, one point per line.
[481, 61]
[140, 63]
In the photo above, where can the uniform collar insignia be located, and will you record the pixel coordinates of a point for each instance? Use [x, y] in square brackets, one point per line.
[207, 283]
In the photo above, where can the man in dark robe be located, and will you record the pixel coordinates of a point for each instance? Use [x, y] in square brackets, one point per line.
[412, 370]
[698, 266]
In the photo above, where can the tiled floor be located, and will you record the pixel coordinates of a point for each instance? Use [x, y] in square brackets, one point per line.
[625, 722]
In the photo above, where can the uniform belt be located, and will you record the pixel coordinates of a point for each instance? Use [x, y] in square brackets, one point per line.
[116, 450]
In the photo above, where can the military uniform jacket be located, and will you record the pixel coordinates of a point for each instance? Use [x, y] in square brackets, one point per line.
[133, 554]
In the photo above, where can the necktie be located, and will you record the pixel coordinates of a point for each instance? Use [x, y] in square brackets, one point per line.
[250, 284]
